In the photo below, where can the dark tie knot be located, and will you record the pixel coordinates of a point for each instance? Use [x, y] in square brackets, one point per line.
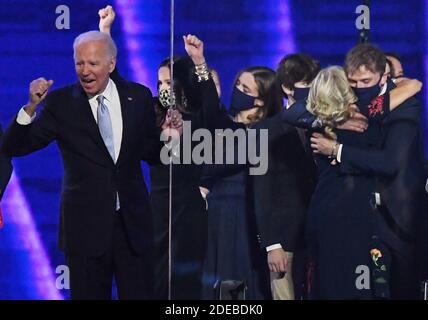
[100, 99]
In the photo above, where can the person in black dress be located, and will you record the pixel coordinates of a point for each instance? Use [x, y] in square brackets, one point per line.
[188, 207]
[233, 252]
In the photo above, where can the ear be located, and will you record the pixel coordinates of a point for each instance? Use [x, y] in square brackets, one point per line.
[383, 79]
[286, 90]
[112, 65]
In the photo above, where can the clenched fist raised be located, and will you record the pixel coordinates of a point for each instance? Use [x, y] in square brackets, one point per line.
[194, 48]
[107, 16]
[38, 92]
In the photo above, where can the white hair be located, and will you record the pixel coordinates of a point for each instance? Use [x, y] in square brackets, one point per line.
[96, 36]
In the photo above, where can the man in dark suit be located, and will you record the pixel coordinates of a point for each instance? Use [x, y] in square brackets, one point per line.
[282, 196]
[103, 130]
[400, 183]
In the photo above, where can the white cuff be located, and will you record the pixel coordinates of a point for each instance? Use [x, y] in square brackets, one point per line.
[378, 199]
[426, 186]
[23, 118]
[175, 148]
[273, 247]
[339, 153]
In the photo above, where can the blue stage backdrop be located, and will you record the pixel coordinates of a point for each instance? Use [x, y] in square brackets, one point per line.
[237, 34]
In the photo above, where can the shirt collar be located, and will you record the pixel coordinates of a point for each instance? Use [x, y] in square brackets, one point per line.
[107, 93]
[383, 90]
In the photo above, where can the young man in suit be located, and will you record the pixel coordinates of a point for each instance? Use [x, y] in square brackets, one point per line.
[283, 193]
[103, 130]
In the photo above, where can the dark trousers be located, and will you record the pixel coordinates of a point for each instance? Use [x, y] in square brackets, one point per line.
[91, 277]
[404, 284]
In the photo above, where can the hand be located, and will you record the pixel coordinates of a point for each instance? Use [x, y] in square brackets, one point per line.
[194, 48]
[173, 122]
[38, 92]
[356, 125]
[397, 81]
[358, 122]
[277, 260]
[107, 16]
[204, 192]
[322, 145]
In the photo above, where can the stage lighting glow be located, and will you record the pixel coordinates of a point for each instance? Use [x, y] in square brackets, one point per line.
[17, 212]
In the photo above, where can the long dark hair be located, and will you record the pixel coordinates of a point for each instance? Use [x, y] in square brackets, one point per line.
[186, 97]
[265, 81]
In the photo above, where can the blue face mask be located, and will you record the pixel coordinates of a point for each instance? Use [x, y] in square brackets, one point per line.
[366, 95]
[240, 101]
[301, 93]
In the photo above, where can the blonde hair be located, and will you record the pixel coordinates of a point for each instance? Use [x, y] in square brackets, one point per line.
[330, 97]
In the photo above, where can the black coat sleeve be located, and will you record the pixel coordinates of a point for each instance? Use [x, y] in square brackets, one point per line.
[297, 115]
[5, 169]
[397, 143]
[20, 140]
[212, 116]
[279, 205]
[151, 143]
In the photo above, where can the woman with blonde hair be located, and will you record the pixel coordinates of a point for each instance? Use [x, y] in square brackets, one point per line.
[331, 98]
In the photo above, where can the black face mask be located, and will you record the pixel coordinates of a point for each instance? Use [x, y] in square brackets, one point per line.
[366, 95]
[301, 93]
[240, 102]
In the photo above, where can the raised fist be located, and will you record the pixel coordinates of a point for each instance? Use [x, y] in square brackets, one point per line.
[107, 16]
[194, 48]
[38, 92]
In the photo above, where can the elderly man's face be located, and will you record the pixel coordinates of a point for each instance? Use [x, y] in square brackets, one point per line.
[93, 66]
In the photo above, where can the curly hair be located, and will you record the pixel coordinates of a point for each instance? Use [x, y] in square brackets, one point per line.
[295, 68]
[330, 97]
